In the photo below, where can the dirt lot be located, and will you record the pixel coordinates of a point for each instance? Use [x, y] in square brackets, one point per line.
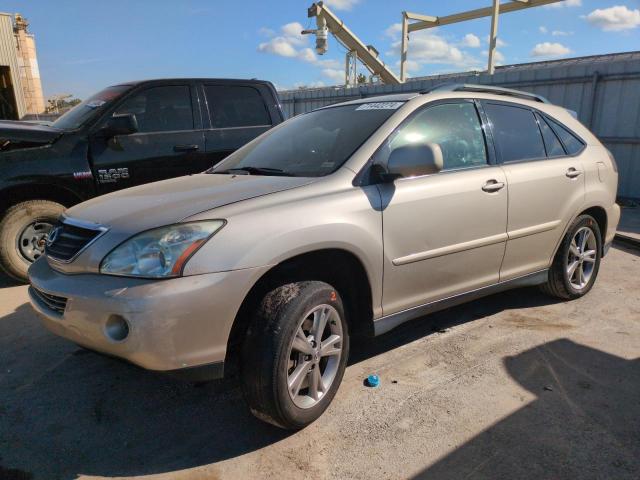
[511, 386]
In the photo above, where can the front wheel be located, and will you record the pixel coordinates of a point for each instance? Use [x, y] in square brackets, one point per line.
[295, 353]
[576, 264]
[23, 233]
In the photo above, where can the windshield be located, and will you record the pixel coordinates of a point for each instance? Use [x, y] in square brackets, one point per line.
[90, 107]
[310, 145]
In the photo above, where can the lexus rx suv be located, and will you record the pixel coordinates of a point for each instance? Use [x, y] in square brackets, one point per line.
[348, 220]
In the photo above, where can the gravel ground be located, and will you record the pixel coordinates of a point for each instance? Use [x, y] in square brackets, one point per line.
[510, 386]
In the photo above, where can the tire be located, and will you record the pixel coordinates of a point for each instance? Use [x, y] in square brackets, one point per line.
[14, 260]
[560, 283]
[270, 360]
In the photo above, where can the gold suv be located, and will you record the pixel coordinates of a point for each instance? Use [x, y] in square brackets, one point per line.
[353, 218]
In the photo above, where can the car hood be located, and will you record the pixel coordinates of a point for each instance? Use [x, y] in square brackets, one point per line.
[170, 201]
[15, 134]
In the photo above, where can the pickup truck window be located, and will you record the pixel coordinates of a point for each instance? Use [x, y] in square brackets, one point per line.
[89, 108]
[310, 145]
[161, 109]
[236, 106]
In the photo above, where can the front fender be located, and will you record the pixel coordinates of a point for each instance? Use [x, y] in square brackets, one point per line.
[348, 220]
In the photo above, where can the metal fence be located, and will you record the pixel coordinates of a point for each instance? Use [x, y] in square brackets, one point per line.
[604, 90]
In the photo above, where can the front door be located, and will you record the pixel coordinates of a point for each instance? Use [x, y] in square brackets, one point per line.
[169, 142]
[444, 233]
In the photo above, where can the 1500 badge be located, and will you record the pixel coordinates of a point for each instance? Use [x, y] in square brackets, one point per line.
[112, 175]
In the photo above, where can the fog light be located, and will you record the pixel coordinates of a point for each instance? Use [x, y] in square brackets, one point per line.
[116, 328]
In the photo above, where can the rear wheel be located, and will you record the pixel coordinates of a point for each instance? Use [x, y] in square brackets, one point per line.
[576, 264]
[23, 234]
[295, 353]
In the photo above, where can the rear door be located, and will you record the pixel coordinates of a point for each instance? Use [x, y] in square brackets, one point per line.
[237, 114]
[546, 185]
[169, 142]
[444, 233]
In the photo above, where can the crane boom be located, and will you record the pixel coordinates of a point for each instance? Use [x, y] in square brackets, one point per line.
[326, 19]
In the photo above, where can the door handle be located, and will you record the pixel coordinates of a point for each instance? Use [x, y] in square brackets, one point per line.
[185, 148]
[492, 186]
[573, 173]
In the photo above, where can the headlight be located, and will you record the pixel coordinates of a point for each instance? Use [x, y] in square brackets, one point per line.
[161, 252]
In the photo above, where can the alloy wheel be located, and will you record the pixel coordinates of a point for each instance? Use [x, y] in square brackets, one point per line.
[314, 355]
[581, 258]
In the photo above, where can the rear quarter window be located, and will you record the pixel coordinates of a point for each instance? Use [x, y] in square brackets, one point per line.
[571, 143]
[551, 142]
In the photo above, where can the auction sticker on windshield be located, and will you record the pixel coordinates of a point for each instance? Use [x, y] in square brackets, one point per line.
[380, 106]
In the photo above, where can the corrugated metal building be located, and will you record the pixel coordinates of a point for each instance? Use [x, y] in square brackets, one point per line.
[12, 101]
[604, 90]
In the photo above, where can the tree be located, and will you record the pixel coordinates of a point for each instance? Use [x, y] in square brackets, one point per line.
[361, 78]
[62, 102]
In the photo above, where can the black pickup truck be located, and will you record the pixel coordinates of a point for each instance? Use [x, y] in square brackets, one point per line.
[125, 135]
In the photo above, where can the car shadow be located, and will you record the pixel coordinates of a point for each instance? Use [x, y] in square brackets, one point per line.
[440, 322]
[65, 410]
[584, 423]
[6, 281]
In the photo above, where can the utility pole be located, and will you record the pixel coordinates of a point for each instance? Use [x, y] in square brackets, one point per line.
[493, 36]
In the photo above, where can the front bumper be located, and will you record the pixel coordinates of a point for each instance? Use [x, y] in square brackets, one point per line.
[173, 325]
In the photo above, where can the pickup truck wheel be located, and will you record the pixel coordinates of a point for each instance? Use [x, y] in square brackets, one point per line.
[23, 233]
[576, 264]
[294, 354]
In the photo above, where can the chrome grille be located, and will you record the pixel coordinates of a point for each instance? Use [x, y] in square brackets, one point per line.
[52, 302]
[66, 240]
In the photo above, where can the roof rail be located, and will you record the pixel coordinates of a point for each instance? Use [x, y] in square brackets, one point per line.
[471, 87]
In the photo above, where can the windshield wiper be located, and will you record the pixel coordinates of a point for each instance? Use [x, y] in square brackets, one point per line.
[256, 171]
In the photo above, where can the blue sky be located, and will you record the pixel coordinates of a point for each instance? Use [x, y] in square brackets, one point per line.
[86, 45]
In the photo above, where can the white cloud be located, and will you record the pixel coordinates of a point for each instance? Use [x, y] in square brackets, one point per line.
[499, 43]
[292, 31]
[285, 45]
[316, 84]
[543, 29]
[411, 65]
[341, 4]
[307, 55]
[329, 63]
[561, 33]
[615, 18]
[470, 40]
[394, 31]
[266, 32]
[278, 46]
[334, 74]
[497, 55]
[427, 47]
[548, 49]
[566, 3]
[291, 43]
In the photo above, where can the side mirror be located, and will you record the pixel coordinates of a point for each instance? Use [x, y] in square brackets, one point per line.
[414, 160]
[123, 124]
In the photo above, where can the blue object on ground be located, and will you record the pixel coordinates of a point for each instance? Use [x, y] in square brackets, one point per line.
[373, 380]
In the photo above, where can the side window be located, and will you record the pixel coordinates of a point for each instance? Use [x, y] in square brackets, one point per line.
[551, 142]
[570, 141]
[161, 109]
[455, 127]
[515, 131]
[236, 106]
